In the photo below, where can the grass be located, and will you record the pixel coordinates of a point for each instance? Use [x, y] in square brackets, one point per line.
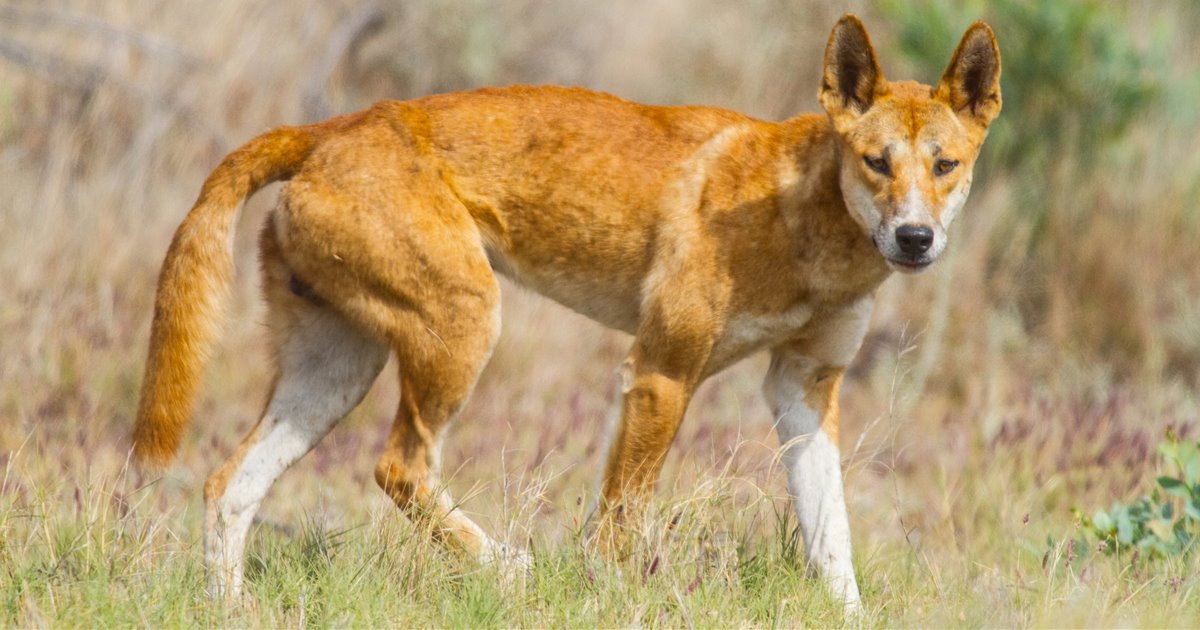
[103, 555]
[1019, 380]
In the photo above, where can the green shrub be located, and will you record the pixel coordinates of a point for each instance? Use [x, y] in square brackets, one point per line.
[1162, 524]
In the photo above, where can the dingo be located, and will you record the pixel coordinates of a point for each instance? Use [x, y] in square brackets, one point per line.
[705, 234]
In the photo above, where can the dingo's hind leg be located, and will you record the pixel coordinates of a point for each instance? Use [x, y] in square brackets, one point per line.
[440, 361]
[410, 470]
[324, 368]
[413, 271]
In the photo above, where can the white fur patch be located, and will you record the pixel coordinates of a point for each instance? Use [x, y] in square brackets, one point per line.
[841, 338]
[860, 200]
[814, 474]
[915, 208]
[326, 367]
[746, 334]
[955, 202]
[815, 481]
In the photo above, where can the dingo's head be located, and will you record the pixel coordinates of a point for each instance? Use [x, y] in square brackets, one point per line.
[908, 149]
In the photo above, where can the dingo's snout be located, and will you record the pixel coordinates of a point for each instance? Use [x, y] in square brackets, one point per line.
[914, 240]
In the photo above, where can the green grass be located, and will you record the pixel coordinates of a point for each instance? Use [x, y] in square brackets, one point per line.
[105, 556]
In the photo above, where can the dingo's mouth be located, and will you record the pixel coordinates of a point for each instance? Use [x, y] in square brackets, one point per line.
[908, 266]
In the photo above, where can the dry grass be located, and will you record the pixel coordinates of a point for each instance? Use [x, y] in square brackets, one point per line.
[996, 392]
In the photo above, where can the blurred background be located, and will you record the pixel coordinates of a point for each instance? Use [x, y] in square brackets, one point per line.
[1032, 370]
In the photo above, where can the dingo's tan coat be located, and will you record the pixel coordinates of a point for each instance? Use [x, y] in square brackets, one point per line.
[706, 234]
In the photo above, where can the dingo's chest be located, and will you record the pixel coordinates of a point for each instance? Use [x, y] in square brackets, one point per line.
[747, 333]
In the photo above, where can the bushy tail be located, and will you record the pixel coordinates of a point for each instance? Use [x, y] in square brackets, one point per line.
[193, 288]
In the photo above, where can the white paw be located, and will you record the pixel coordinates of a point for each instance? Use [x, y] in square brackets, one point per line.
[846, 588]
[514, 564]
[852, 609]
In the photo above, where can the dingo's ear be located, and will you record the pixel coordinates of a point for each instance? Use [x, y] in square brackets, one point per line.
[852, 78]
[971, 83]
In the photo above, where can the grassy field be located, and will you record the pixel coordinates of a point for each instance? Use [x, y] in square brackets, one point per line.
[1026, 378]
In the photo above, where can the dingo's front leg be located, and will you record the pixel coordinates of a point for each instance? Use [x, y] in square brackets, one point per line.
[802, 389]
[651, 412]
[659, 377]
[652, 409]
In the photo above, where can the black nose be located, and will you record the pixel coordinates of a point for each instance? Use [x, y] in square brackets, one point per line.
[914, 240]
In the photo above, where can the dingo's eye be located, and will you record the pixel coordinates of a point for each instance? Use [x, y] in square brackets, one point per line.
[878, 164]
[941, 167]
